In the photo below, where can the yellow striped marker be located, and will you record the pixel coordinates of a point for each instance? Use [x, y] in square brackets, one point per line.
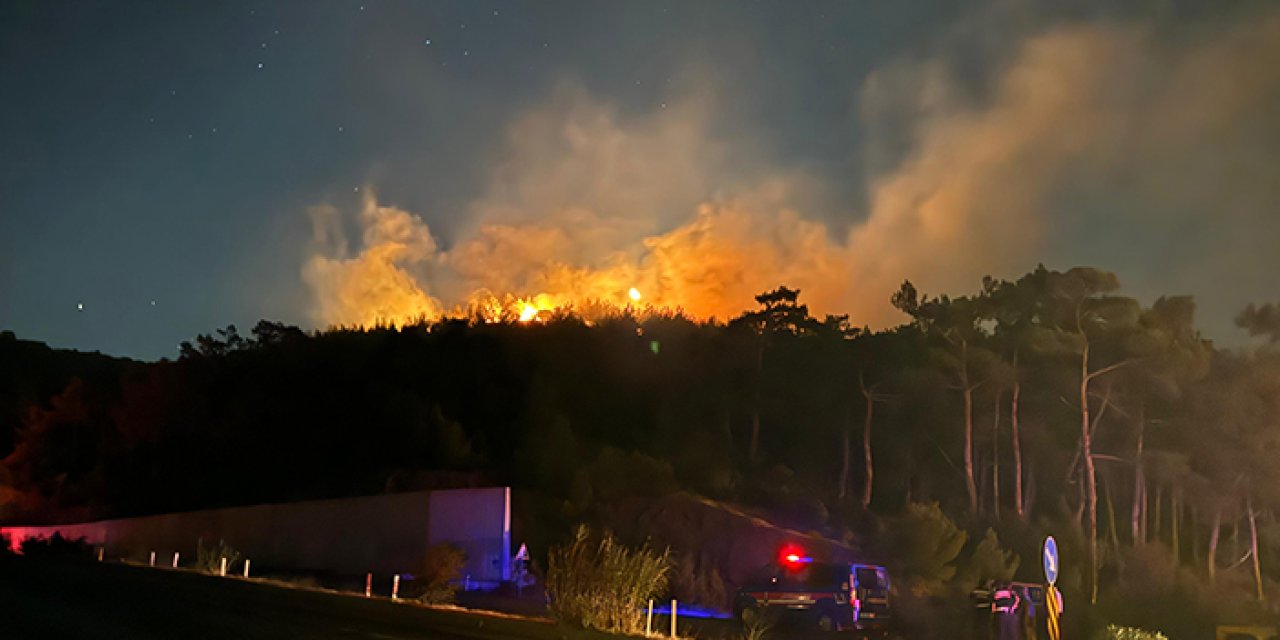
[1053, 604]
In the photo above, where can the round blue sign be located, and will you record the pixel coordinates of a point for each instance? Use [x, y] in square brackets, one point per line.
[1050, 557]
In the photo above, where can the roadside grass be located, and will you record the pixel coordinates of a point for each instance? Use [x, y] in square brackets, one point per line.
[447, 619]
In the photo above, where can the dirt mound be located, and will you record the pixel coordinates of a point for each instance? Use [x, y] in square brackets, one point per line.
[716, 546]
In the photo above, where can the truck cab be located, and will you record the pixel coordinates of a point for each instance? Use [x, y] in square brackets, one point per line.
[829, 596]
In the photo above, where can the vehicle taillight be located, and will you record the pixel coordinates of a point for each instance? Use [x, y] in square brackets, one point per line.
[793, 556]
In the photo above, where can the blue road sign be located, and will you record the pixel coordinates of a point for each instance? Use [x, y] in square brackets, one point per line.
[1050, 557]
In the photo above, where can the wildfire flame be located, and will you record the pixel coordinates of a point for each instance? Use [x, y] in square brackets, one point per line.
[710, 267]
[528, 313]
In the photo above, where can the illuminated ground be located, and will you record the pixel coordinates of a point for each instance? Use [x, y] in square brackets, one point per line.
[42, 600]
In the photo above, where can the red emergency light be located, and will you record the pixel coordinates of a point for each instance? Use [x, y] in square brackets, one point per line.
[793, 556]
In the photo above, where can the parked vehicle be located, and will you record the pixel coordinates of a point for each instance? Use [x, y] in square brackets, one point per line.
[1031, 608]
[829, 596]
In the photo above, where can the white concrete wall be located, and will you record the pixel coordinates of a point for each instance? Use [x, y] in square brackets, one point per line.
[384, 534]
[485, 534]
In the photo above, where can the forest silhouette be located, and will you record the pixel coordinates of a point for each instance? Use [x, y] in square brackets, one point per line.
[1051, 403]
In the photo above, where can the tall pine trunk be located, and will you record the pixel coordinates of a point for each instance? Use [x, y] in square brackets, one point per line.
[1146, 511]
[1253, 547]
[995, 459]
[1174, 543]
[869, 468]
[1017, 441]
[967, 390]
[1212, 553]
[1156, 520]
[1139, 483]
[1113, 530]
[1090, 477]
[1193, 528]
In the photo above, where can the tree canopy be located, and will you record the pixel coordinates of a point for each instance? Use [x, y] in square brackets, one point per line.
[1051, 402]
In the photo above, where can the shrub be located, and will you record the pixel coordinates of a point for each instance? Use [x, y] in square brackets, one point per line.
[758, 627]
[1114, 632]
[924, 544]
[57, 547]
[439, 572]
[1150, 591]
[695, 578]
[603, 584]
[989, 560]
[617, 474]
[209, 560]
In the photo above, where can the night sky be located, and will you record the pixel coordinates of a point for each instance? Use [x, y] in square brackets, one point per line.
[169, 168]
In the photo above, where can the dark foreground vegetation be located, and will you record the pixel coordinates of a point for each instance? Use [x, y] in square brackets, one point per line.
[98, 601]
[947, 446]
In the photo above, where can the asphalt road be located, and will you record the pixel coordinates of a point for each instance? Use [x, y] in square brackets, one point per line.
[39, 599]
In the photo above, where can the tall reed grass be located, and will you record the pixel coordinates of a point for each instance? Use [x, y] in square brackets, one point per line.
[598, 583]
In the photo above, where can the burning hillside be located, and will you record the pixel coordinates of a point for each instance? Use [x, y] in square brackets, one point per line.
[709, 267]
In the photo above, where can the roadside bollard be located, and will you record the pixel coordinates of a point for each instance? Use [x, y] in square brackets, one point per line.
[222, 567]
[175, 559]
[648, 621]
[673, 618]
[246, 567]
[101, 550]
[395, 587]
[153, 558]
[368, 585]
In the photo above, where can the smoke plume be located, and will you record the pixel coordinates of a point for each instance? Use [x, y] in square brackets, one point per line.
[1103, 143]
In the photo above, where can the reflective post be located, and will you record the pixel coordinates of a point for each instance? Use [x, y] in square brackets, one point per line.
[673, 618]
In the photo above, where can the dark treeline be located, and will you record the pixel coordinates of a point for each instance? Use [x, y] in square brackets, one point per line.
[1047, 404]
